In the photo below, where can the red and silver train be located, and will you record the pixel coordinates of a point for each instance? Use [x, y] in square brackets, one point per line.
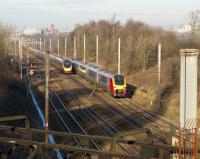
[112, 82]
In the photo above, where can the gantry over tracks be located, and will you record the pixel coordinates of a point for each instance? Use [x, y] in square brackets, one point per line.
[16, 136]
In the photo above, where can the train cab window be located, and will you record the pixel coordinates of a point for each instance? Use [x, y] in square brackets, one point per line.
[67, 63]
[82, 68]
[119, 80]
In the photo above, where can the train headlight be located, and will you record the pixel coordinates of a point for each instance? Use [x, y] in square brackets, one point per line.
[115, 89]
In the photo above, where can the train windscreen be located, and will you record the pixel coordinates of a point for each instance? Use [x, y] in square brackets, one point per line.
[67, 63]
[119, 79]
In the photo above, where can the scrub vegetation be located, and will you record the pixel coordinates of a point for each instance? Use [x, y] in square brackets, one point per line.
[139, 48]
[139, 43]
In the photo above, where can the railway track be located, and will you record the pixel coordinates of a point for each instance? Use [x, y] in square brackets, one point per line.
[86, 112]
[67, 119]
[72, 126]
[97, 119]
[139, 119]
[131, 107]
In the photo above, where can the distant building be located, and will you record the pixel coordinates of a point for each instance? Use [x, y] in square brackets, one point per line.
[52, 30]
[31, 31]
[183, 29]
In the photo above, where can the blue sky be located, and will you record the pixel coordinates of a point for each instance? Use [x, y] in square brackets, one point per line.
[66, 13]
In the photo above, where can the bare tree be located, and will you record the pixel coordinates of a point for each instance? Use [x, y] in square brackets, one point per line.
[138, 48]
[4, 35]
[194, 22]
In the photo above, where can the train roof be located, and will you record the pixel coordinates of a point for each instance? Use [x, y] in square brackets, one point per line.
[54, 57]
[82, 64]
[94, 68]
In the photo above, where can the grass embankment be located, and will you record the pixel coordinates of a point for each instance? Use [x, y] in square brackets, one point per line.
[13, 97]
[170, 88]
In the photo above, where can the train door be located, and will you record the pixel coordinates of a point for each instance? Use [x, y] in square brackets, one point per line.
[111, 86]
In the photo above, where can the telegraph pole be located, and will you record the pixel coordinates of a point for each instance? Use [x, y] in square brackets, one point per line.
[20, 51]
[97, 55]
[32, 43]
[50, 44]
[27, 54]
[27, 70]
[74, 47]
[58, 47]
[36, 43]
[159, 71]
[46, 95]
[97, 50]
[119, 52]
[65, 47]
[40, 44]
[15, 50]
[19, 64]
[44, 45]
[84, 48]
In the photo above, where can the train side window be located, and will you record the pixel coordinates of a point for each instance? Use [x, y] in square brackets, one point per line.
[92, 74]
[103, 79]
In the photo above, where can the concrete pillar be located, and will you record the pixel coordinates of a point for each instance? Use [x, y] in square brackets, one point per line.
[188, 87]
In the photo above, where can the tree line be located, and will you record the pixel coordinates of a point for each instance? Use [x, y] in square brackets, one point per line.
[139, 43]
[5, 32]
